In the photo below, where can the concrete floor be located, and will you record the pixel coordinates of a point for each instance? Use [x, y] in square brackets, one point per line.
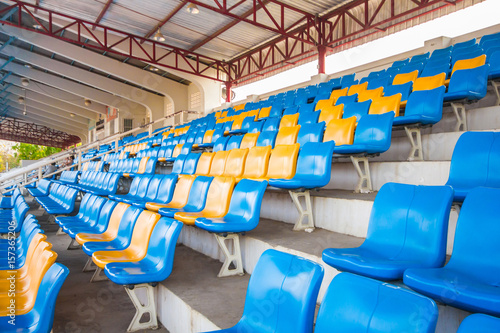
[84, 307]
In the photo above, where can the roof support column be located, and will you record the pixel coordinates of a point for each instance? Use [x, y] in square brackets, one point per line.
[321, 59]
[228, 91]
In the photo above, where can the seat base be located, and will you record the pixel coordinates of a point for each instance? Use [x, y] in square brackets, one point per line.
[142, 309]
[230, 257]
[303, 213]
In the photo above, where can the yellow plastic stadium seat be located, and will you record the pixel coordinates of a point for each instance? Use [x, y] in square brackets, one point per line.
[217, 114]
[180, 196]
[220, 121]
[217, 204]
[283, 161]
[218, 163]
[24, 273]
[264, 112]
[324, 104]
[289, 120]
[429, 82]
[207, 138]
[385, 104]
[138, 243]
[337, 93]
[111, 231]
[237, 123]
[252, 113]
[204, 163]
[142, 165]
[37, 244]
[235, 163]
[334, 112]
[341, 131]
[224, 114]
[287, 135]
[257, 163]
[177, 150]
[249, 140]
[370, 94]
[238, 107]
[85, 166]
[357, 88]
[25, 298]
[405, 77]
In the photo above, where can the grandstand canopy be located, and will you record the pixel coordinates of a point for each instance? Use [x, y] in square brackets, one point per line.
[104, 51]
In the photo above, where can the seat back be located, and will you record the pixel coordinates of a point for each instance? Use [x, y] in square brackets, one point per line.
[308, 118]
[405, 77]
[341, 131]
[472, 81]
[198, 194]
[141, 234]
[410, 222]
[153, 186]
[370, 94]
[311, 133]
[386, 104]
[289, 120]
[356, 110]
[266, 138]
[469, 63]
[125, 227]
[429, 82]
[338, 93]
[476, 245]
[271, 124]
[245, 203]
[204, 163]
[235, 163]
[249, 140]
[283, 161]
[346, 99]
[142, 188]
[314, 163]
[296, 280]
[234, 142]
[355, 303]
[428, 104]
[403, 89]
[333, 112]
[218, 163]
[219, 196]
[178, 164]
[357, 88]
[181, 191]
[220, 143]
[257, 162]
[324, 104]
[166, 188]
[287, 135]
[375, 131]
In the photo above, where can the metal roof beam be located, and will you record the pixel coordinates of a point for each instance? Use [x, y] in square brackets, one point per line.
[165, 20]
[103, 11]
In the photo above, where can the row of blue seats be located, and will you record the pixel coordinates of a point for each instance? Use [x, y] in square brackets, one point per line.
[351, 303]
[12, 213]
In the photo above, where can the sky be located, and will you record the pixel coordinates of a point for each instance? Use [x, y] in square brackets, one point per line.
[477, 17]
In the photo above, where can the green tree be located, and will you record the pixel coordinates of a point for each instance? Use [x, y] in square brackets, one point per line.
[26, 151]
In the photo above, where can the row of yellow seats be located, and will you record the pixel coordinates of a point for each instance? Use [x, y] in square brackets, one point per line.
[133, 149]
[39, 258]
[238, 118]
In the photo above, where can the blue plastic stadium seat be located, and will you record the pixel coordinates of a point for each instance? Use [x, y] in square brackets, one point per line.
[98, 227]
[403, 89]
[308, 117]
[313, 167]
[469, 280]
[358, 304]
[346, 99]
[41, 189]
[407, 229]
[296, 280]
[311, 133]
[475, 162]
[138, 190]
[220, 144]
[157, 264]
[267, 138]
[291, 110]
[244, 209]
[423, 107]
[123, 237]
[494, 62]
[61, 200]
[234, 142]
[479, 321]
[470, 84]
[196, 199]
[271, 124]
[356, 109]
[372, 136]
